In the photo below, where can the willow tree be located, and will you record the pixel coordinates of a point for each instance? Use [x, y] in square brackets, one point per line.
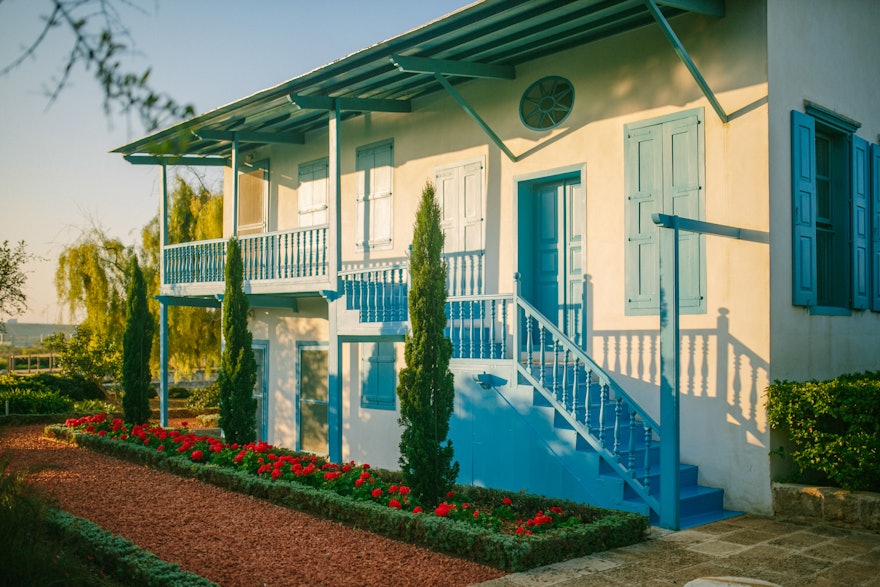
[238, 369]
[196, 214]
[136, 345]
[426, 388]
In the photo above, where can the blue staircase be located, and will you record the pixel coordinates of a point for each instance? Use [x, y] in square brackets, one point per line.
[608, 442]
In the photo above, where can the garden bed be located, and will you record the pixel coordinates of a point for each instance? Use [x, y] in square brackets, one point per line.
[593, 529]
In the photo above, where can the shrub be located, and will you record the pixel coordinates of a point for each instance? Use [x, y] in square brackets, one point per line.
[177, 392]
[24, 401]
[834, 426]
[204, 397]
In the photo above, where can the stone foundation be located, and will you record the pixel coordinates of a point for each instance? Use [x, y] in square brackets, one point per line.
[831, 505]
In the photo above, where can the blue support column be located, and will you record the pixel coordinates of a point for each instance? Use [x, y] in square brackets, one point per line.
[163, 308]
[334, 351]
[670, 440]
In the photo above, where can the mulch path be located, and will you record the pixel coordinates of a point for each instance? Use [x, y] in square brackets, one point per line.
[229, 538]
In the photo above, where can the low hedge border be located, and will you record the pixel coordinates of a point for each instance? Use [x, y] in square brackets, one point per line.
[120, 557]
[610, 529]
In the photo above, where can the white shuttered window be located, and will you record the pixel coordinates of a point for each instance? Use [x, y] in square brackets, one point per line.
[374, 167]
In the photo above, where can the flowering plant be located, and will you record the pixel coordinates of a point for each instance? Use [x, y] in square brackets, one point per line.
[349, 479]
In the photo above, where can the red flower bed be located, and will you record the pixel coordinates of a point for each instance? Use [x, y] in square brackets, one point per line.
[350, 479]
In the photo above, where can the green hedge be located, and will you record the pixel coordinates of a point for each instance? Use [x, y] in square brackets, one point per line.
[609, 529]
[34, 401]
[118, 556]
[834, 426]
[71, 386]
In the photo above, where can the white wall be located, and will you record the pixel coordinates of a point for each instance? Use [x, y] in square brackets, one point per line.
[825, 52]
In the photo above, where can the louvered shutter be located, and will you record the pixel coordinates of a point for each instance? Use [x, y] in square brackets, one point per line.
[860, 223]
[803, 184]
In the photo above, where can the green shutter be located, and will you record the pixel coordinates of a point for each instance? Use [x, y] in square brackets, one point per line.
[643, 154]
[803, 205]
[875, 228]
[860, 223]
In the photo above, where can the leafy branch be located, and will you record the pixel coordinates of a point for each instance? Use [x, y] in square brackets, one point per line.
[98, 48]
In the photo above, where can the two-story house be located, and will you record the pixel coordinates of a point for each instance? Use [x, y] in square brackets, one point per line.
[582, 151]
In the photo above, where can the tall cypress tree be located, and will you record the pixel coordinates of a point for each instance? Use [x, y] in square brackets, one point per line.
[238, 369]
[426, 388]
[137, 342]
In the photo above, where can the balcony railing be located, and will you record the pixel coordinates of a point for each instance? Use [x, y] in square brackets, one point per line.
[288, 254]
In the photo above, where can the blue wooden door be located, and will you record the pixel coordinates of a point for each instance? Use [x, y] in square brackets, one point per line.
[559, 218]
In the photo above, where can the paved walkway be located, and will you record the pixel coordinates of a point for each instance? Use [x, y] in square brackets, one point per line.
[779, 551]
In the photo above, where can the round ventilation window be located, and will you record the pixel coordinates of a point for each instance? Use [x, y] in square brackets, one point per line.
[546, 103]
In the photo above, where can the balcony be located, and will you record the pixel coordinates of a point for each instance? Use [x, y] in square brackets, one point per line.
[292, 256]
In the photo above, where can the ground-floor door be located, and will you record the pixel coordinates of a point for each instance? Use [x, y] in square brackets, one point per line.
[558, 214]
[261, 388]
[312, 372]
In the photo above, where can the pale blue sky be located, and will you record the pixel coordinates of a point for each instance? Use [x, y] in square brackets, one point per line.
[57, 174]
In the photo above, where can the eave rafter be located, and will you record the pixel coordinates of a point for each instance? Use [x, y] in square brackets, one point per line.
[409, 64]
[351, 104]
[707, 7]
[177, 160]
[266, 138]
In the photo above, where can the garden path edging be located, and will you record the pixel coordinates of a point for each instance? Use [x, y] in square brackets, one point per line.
[831, 505]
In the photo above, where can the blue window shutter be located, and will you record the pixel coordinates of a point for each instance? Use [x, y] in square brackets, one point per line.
[861, 222]
[643, 187]
[803, 183]
[875, 228]
[378, 376]
[681, 197]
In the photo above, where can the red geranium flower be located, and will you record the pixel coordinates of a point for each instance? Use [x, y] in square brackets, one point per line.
[197, 455]
[377, 492]
[417, 509]
[394, 504]
[507, 501]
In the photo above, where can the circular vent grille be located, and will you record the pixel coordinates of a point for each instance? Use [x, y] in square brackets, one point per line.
[546, 103]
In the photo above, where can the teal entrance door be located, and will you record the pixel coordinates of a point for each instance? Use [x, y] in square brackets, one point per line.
[559, 216]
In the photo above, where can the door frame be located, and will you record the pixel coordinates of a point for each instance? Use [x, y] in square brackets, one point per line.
[522, 194]
[300, 346]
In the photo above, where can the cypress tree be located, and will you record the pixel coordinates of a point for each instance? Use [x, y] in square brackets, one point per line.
[137, 342]
[238, 369]
[425, 388]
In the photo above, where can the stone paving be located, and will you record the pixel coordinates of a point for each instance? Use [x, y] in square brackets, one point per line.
[784, 552]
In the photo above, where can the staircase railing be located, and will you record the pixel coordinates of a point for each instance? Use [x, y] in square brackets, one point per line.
[592, 403]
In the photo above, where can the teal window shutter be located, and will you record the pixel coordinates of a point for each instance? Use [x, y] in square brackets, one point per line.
[875, 227]
[378, 375]
[861, 221]
[803, 181]
[681, 195]
[663, 163]
[643, 154]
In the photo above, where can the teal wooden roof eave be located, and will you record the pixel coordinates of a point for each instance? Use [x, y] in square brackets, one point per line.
[494, 33]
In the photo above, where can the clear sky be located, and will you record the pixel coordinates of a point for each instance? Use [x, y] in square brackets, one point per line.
[56, 175]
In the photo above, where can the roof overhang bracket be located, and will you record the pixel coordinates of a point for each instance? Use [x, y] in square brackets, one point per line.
[267, 138]
[182, 160]
[350, 104]
[705, 7]
[440, 68]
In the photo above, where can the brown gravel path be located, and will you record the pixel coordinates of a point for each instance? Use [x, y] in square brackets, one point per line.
[229, 538]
